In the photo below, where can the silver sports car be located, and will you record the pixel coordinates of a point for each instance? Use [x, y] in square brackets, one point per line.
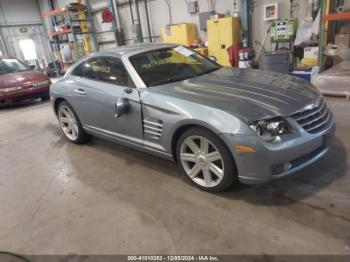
[222, 125]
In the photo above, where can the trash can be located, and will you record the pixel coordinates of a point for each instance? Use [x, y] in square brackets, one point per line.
[276, 61]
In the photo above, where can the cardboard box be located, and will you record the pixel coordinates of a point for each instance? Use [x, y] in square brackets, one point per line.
[311, 52]
[343, 39]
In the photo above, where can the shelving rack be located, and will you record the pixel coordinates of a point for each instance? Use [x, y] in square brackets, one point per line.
[326, 18]
[337, 17]
[72, 24]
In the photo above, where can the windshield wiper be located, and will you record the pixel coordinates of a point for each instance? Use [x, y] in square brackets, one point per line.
[161, 82]
[169, 80]
[214, 69]
[211, 70]
[19, 70]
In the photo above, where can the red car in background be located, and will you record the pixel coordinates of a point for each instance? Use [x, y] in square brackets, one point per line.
[19, 81]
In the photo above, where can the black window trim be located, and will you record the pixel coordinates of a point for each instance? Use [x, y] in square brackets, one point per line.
[173, 47]
[131, 81]
[167, 48]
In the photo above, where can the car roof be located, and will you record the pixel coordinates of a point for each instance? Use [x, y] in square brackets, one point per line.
[120, 51]
[135, 48]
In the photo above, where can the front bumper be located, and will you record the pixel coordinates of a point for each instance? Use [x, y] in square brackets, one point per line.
[271, 161]
[23, 94]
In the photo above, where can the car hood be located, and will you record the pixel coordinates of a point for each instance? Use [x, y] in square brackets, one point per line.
[252, 94]
[20, 78]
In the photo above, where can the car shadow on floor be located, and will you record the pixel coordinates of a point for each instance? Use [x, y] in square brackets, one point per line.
[298, 186]
[283, 191]
[131, 157]
[23, 104]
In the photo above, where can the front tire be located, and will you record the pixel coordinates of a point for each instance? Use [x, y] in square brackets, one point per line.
[70, 124]
[205, 160]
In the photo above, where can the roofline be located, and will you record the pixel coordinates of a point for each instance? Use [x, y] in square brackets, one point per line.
[152, 48]
[125, 58]
[113, 52]
[136, 50]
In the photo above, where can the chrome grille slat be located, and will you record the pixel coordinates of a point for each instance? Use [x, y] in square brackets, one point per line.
[321, 124]
[312, 113]
[314, 119]
[305, 110]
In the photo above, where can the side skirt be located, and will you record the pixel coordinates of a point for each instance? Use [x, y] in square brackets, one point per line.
[113, 138]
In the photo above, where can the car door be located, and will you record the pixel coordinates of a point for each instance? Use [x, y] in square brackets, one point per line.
[100, 84]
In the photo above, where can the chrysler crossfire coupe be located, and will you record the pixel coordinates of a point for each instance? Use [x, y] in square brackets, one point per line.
[221, 125]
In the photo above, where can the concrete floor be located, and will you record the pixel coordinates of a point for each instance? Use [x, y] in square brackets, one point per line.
[100, 198]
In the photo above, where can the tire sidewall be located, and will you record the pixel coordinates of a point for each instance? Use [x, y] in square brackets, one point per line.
[82, 137]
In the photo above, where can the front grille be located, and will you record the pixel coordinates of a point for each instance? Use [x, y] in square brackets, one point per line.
[314, 119]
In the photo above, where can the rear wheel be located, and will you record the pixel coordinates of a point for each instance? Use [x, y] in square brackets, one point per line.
[70, 124]
[205, 160]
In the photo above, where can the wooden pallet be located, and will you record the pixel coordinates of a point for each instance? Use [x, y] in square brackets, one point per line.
[343, 94]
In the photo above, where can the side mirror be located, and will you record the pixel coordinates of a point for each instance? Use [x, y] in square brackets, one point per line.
[212, 58]
[121, 107]
[32, 67]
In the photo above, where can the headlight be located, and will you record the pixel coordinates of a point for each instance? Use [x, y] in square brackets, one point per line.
[270, 129]
[10, 89]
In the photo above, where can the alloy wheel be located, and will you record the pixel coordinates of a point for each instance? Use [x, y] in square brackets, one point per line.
[68, 122]
[202, 161]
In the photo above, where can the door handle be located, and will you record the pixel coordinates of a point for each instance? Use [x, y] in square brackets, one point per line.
[80, 91]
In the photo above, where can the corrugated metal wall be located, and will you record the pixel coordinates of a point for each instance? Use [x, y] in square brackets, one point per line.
[17, 14]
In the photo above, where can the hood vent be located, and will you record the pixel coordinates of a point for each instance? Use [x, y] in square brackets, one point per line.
[153, 128]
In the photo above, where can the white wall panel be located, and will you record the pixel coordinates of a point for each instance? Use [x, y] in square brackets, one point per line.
[19, 11]
[22, 13]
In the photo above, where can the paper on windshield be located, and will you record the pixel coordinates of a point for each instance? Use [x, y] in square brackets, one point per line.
[184, 51]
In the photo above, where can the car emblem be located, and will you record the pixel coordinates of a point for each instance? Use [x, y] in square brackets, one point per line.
[314, 104]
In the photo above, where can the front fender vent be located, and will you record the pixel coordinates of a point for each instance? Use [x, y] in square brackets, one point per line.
[153, 128]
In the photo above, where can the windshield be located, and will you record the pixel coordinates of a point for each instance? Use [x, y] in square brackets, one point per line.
[10, 65]
[168, 65]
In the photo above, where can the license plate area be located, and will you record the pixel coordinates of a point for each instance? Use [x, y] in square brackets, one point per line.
[327, 138]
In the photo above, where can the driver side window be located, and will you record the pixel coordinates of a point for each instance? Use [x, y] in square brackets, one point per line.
[104, 69]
